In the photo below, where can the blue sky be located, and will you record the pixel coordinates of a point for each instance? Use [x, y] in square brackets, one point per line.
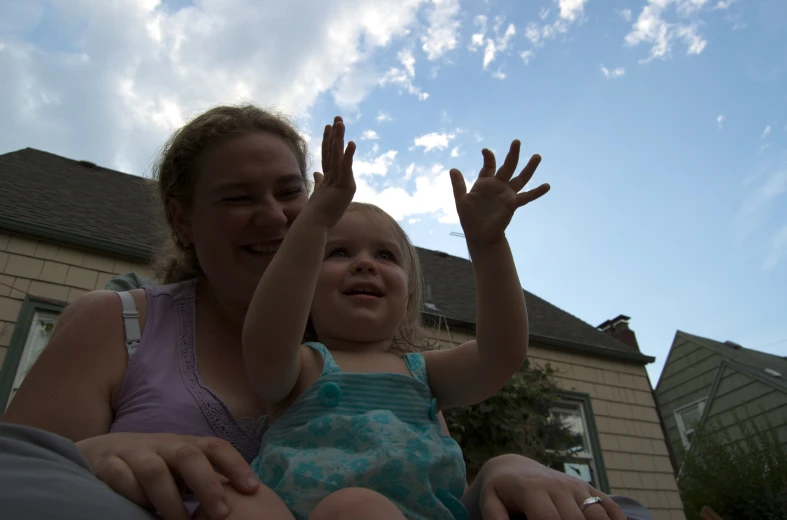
[662, 124]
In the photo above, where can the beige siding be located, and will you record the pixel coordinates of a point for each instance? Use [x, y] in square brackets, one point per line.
[48, 270]
[632, 443]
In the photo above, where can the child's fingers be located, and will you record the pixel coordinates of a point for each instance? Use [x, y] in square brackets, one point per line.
[327, 141]
[509, 165]
[458, 184]
[527, 197]
[526, 174]
[347, 165]
[490, 166]
[337, 150]
[318, 177]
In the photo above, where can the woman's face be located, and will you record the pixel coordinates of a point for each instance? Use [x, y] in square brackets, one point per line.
[249, 191]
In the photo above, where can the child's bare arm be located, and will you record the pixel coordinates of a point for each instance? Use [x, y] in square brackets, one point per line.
[277, 316]
[474, 371]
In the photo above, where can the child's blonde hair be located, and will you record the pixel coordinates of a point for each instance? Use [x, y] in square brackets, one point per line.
[410, 334]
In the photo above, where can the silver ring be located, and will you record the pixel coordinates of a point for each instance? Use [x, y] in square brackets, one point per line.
[590, 501]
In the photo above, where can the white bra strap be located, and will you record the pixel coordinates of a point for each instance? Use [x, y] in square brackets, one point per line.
[130, 321]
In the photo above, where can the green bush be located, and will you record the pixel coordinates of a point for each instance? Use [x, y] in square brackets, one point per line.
[515, 420]
[740, 480]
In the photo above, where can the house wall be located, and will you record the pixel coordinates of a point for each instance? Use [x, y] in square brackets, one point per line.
[49, 270]
[743, 399]
[632, 443]
[687, 377]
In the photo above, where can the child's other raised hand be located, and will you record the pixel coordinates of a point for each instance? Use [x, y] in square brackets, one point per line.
[335, 187]
[487, 209]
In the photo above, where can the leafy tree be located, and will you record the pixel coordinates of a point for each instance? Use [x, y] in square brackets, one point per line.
[515, 420]
[742, 479]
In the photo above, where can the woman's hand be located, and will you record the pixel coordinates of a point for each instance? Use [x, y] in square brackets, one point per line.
[487, 209]
[512, 485]
[151, 468]
[335, 187]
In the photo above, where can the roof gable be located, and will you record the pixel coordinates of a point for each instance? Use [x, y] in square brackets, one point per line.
[753, 359]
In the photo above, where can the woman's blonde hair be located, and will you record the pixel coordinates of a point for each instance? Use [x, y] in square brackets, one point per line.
[410, 334]
[176, 173]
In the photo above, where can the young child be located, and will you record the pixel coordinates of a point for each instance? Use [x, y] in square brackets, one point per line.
[355, 430]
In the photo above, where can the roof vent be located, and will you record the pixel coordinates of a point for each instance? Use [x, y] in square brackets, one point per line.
[431, 306]
[87, 164]
[441, 254]
[772, 372]
[733, 345]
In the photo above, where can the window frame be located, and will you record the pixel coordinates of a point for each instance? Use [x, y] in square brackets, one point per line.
[683, 430]
[16, 349]
[583, 401]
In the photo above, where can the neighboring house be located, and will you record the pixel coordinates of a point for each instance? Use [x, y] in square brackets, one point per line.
[67, 227]
[706, 381]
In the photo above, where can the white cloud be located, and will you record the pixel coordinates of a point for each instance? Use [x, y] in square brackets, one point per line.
[499, 43]
[369, 135]
[652, 28]
[626, 14]
[403, 77]
[455, 151]
[376, 166]
[129, 72]
[442, 34]
[614, 73]
[571, 10]
[477, 38]
[499, 74]
[432, 195]
[382, 116]
[434, 141]
[409, 172]
[766, 132]
[720, 121]
[724, 4]
[533, 33]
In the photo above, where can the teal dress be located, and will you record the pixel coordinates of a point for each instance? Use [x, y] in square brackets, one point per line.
[372, 430]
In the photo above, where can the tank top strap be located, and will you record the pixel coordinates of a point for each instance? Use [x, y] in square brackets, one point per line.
[130, 321]
[417, 365]
[329, 365]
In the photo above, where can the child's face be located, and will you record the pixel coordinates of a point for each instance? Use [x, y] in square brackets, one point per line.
[361, 293]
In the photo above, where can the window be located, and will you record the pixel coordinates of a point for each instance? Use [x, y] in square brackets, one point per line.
[577, 439]
[688, 418]
[33, 329]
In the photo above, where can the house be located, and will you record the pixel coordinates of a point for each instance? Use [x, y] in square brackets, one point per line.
[705, 381]
[67, 227]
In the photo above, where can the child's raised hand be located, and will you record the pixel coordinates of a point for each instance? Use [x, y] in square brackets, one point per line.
[487, 209]
[335, 187]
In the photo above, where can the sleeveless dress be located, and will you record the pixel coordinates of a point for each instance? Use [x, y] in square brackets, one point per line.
[373, 430]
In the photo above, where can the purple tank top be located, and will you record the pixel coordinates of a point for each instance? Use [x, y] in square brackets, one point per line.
[162, 391]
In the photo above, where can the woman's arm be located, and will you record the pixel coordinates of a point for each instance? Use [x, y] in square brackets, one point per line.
[70, 391]
[71, 387]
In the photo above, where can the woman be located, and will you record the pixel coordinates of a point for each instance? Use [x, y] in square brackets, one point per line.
[231, 182]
